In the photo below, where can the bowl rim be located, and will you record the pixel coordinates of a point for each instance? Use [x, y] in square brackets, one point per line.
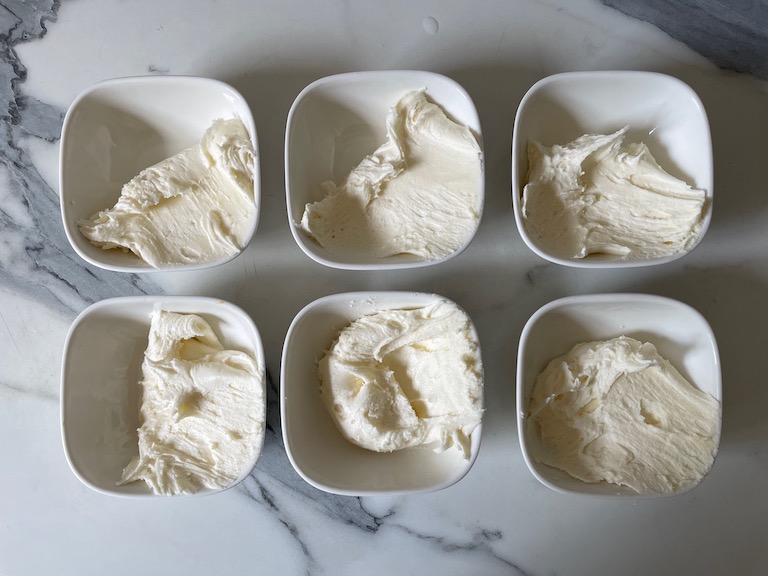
[64, 142]
[521, 399]
[518, 178]
[303, 241]
[162, 302]
[419, 299]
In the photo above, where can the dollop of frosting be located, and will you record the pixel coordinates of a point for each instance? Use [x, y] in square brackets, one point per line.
[195, 207]
[616, 411]
[402, 378]
[594, 196]
[202, 409]
[419, 193]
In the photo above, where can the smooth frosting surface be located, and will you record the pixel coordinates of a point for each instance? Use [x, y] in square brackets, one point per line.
[616, 411]
[402, 378]
[195, 207]
[420, 193]
[202, 409]
[594, 196]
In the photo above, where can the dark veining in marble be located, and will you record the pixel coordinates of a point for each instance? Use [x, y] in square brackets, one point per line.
[257, 492]
[35, 257]
[730, 33]
[347, 510]
[152, 69]
[480, 543]
[273, 459]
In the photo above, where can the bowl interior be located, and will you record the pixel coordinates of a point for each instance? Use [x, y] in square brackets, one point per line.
[317, 450]
[661, 111]
[336, 122]
[117, 128]
[100, 390]
[680, 334]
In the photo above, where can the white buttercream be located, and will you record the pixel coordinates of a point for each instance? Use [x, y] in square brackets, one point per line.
[420, 193]
[618, 412]
[402, 378]
[593, 196]
[195, 207]
[202, 409]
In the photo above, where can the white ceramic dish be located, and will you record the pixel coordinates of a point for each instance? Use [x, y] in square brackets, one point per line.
[116, 128]
[315, 447]
[679, 332]
[337, 121]
[100, 394]
[661, 111]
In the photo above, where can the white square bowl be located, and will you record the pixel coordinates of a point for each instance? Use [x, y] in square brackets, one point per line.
[337, 121]
[680, 334]
[661, 111]
[101, 370]
[117, 128]
[315, 447]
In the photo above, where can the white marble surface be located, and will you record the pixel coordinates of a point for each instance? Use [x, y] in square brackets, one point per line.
[497, 520]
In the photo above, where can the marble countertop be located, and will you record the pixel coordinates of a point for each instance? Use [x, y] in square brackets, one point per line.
[498, 519]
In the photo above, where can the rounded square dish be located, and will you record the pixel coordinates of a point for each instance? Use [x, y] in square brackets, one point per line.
[101, 369]
[116, 128]
[315, 447]
[680, 334]
[661, 111]
[337, 121]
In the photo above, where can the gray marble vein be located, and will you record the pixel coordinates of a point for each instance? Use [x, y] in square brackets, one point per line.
[35, 257]
[730, 33]
[345, 509]
[481, 543]
[270, 489]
